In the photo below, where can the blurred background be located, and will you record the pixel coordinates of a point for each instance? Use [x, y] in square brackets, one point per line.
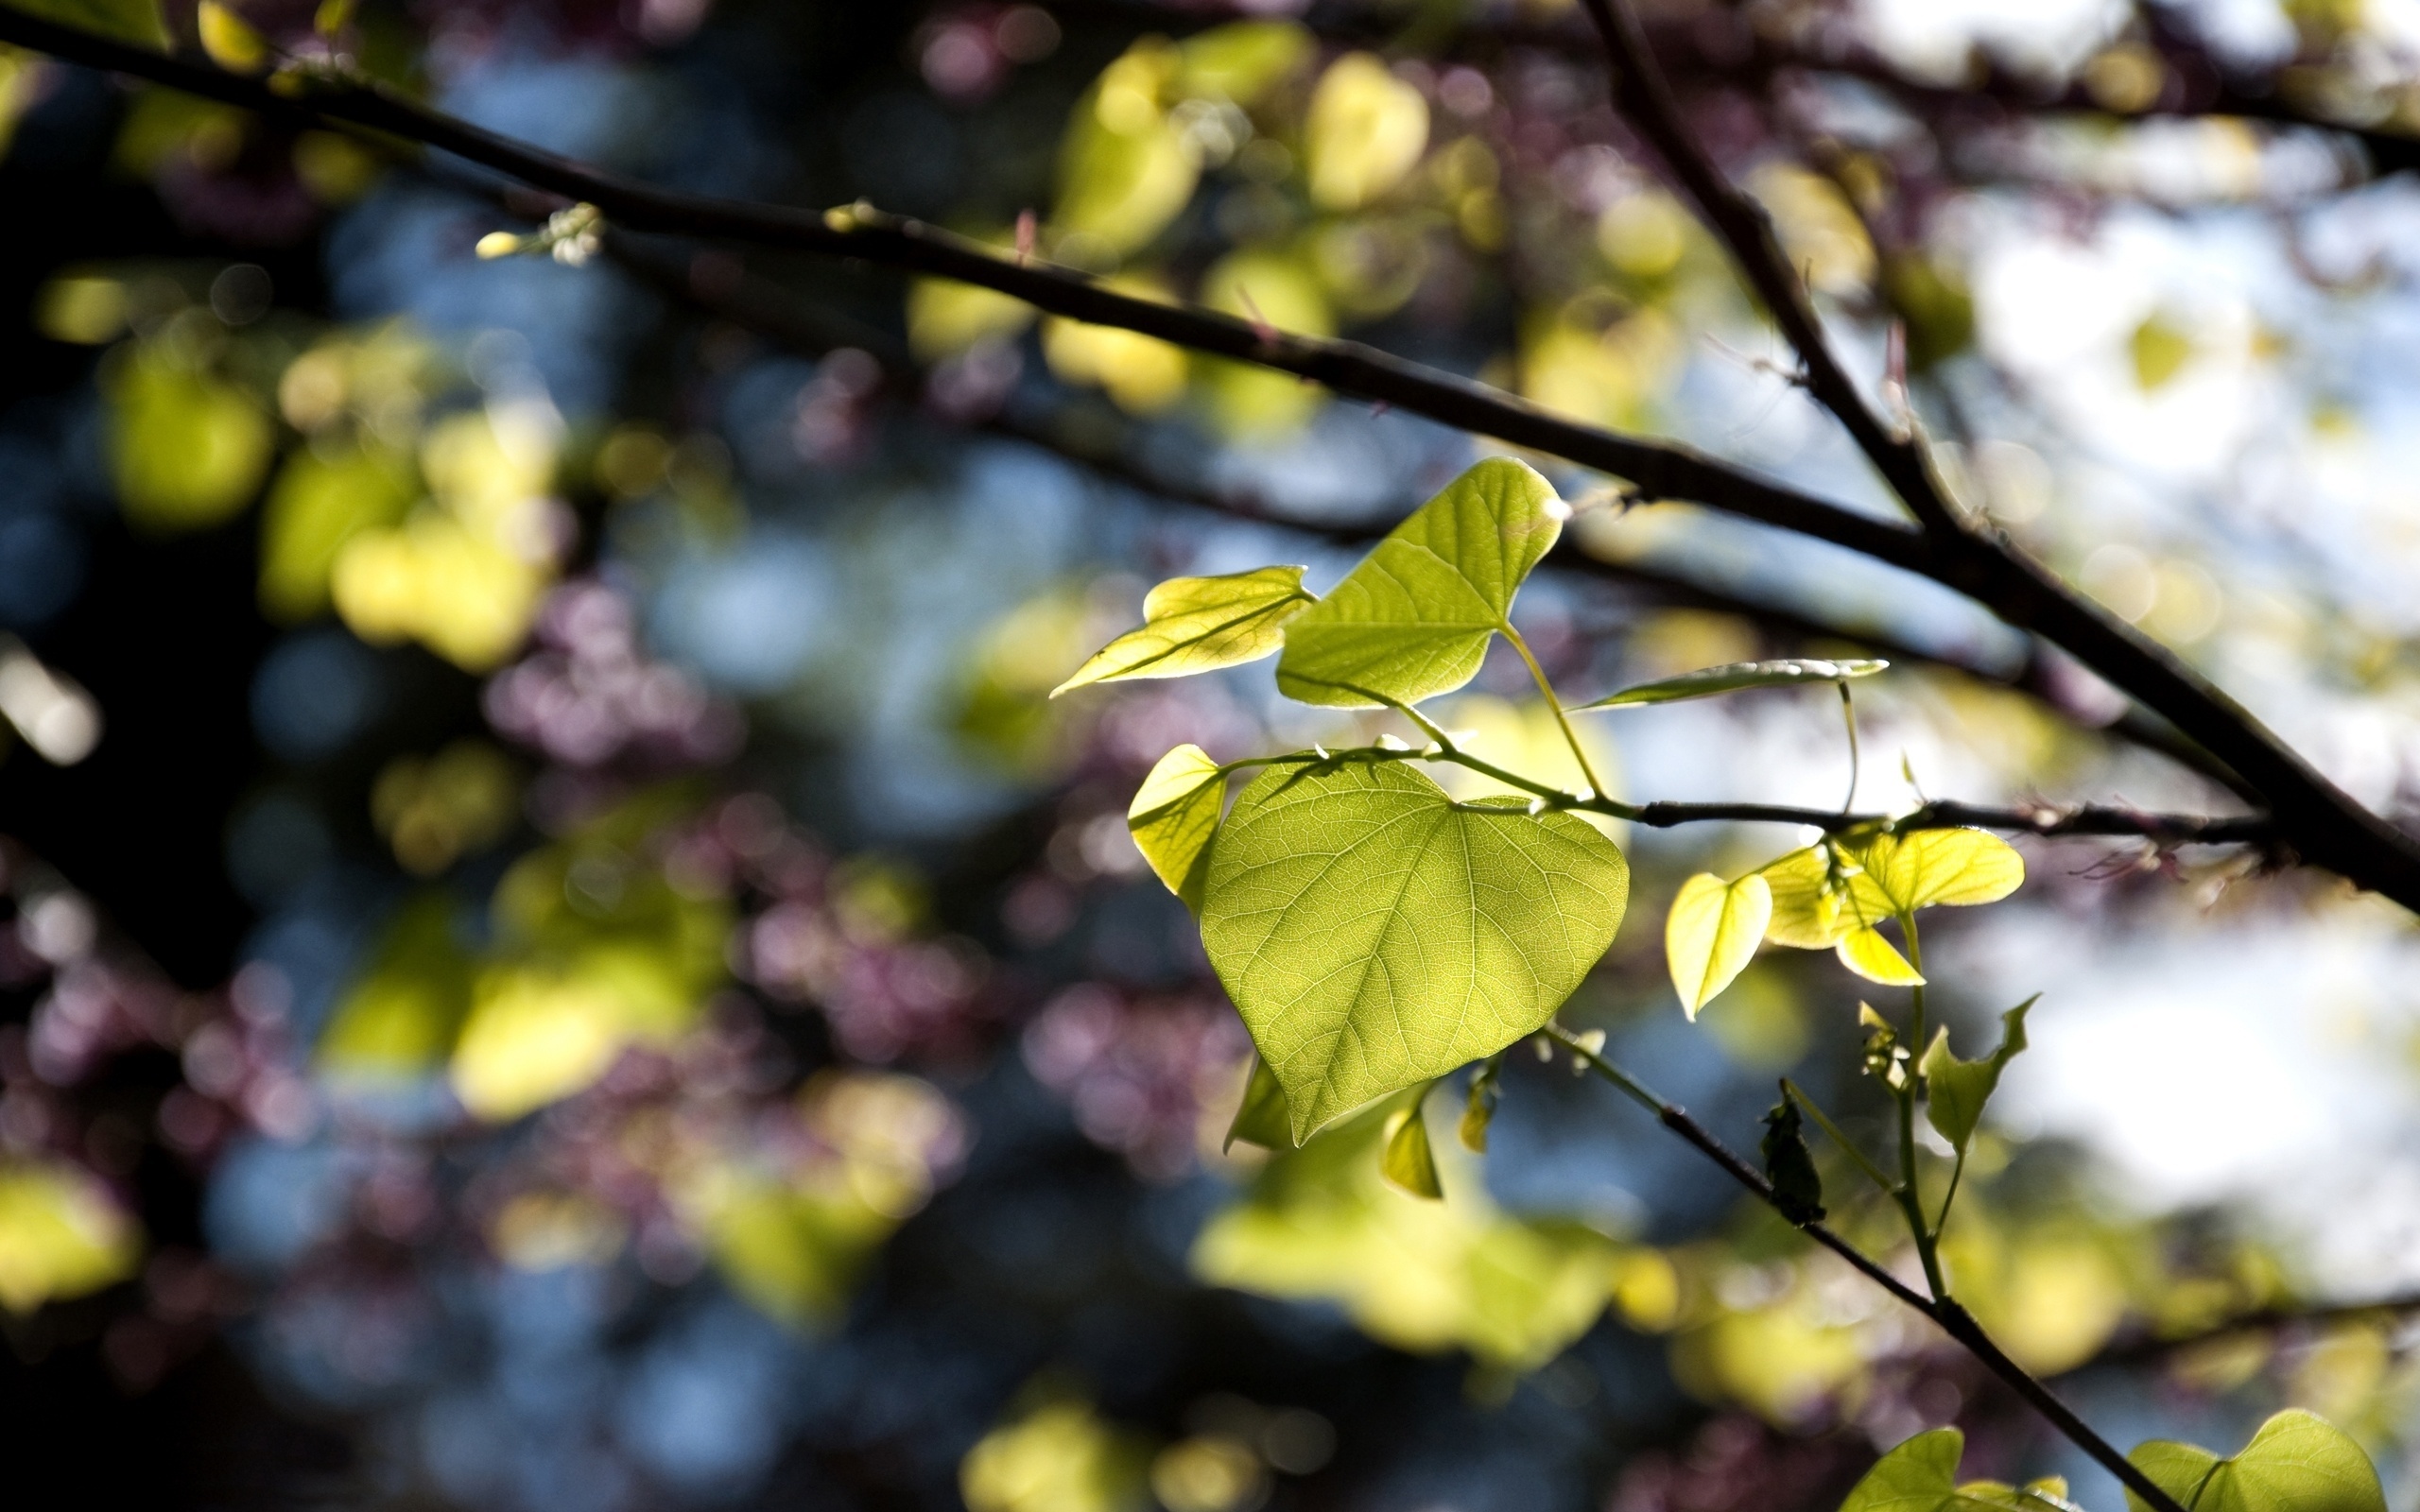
[559, 956]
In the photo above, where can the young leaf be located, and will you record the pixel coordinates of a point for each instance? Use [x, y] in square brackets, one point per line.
[1870, 955]
[1957, 1089]
[1480, 1110]
[1260, 1118]
[1798, 1191]
[1712, 932]
[1410, 1164]
[1199, 624]
[1413, 619]
[1901, 873]
[1806, 913]
[1174, 814]
[1376, 934]
[1733, 675]
[2297, 1462]
[1921, 1475]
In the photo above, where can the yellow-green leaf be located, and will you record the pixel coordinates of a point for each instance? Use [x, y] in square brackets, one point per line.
[1957, 1089]
[1365, 131]
[1261, 1118]
[135, 21]
[1733, 675]
[2298, 1462]
[1174, 814]
[1921, 1475]
[1867, 954]
[1410, 1164]
[1413, 619]
[1199, 624]
[1241, 61]
[1806, 913]
[1901, 873]
[1712, 932]
[1374, 934]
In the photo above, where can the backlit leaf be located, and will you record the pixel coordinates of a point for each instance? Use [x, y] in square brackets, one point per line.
[1125, 169]
[1261, 1118]
[1366, 130]
[1241, 61]
[1374, 934]
[1199, 624]
[1921, 1475]
[324, 497]
[1479, 1110]
[1734, 675]
[2298, 1462]
[1957, 1089]
[1408, 1162]
[1870, 955]
[187, 450]
[1902, 873]
[1712, 933]
[60, 1234]
[1806, 913]
[1413, 619]
[135, 21]
[1174, 814]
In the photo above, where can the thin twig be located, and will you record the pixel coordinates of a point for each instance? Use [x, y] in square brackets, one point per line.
[2320, 823]
[1953, 1319]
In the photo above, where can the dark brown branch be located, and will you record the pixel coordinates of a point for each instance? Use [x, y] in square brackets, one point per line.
[2267, 1319]
[1952, 1318]
[2320, 823]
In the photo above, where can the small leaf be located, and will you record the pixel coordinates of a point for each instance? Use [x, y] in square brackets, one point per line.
[1712, 933]
[1480, 1110]
[1374, 934]
[1798, 1191]
[2298, 1462]
[1870, 955]
[1410, 1164]
[1413, 619]
[1806, 908]
[1260, 1118]
[1957, 1089]
[1173, 816]
[1901, 873]
[1733, 675]
[135, 21]
[1921, 1475]
[1199, 624]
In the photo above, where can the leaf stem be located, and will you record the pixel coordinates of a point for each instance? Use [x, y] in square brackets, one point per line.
[1546, 690]
[1873, 1172]
[1848, 717]
[1910, 1201]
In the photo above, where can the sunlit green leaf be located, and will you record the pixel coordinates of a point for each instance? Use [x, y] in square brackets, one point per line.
[135, 21]
[1870, 955]
[1901, 873]
[324, 497]
[1806, 913]
[1957, 1089]
[1365, 131]
[1261, 1118]
[400, 1016]
[1734, 675]
[1242, 61]
[1125, 169]
[1198, 623]
[1376, 934]
[1921, 1475]
[1413, 619]
[1712, 933]
[1174, 814]
[1408, 1162]
[60, 1234]
[1478, 1110]
[2298, 1462]
[1798, 1191]
[187, 450]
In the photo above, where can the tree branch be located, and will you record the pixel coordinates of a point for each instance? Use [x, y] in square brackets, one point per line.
[2320, 823]
[1952, 1319]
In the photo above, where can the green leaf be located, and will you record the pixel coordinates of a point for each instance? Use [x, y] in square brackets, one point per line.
[1199, 624]
[1261, 1118]
[1376, 934]
[1734, 676]
[1901, 873]
[1870, 955]
[1921, 1475]
[1805, 907]
[1410, 1164]
[1413, 619]
[1798, 1191]
[2298, 1462]
[1957, 1089]
[1712, 933]
[135, 21]
[1480, 1110]
[1174, 814]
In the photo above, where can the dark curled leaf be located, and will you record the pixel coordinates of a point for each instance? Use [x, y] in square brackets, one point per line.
[1798, 1192]
[1481, 1110]
[1261, 1119]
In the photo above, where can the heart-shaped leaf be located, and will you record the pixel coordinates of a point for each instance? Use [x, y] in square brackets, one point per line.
[1376, 934]
[1870, 955]
[1901, 873]
[1413, 619]
[1174, 814]
[2298, 1462]
[1956, 1091]
[1734, 676]
[1712, 932]
[1921, 1475]
[1199, 624]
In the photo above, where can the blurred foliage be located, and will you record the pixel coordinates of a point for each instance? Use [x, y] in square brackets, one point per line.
[61, 1235]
